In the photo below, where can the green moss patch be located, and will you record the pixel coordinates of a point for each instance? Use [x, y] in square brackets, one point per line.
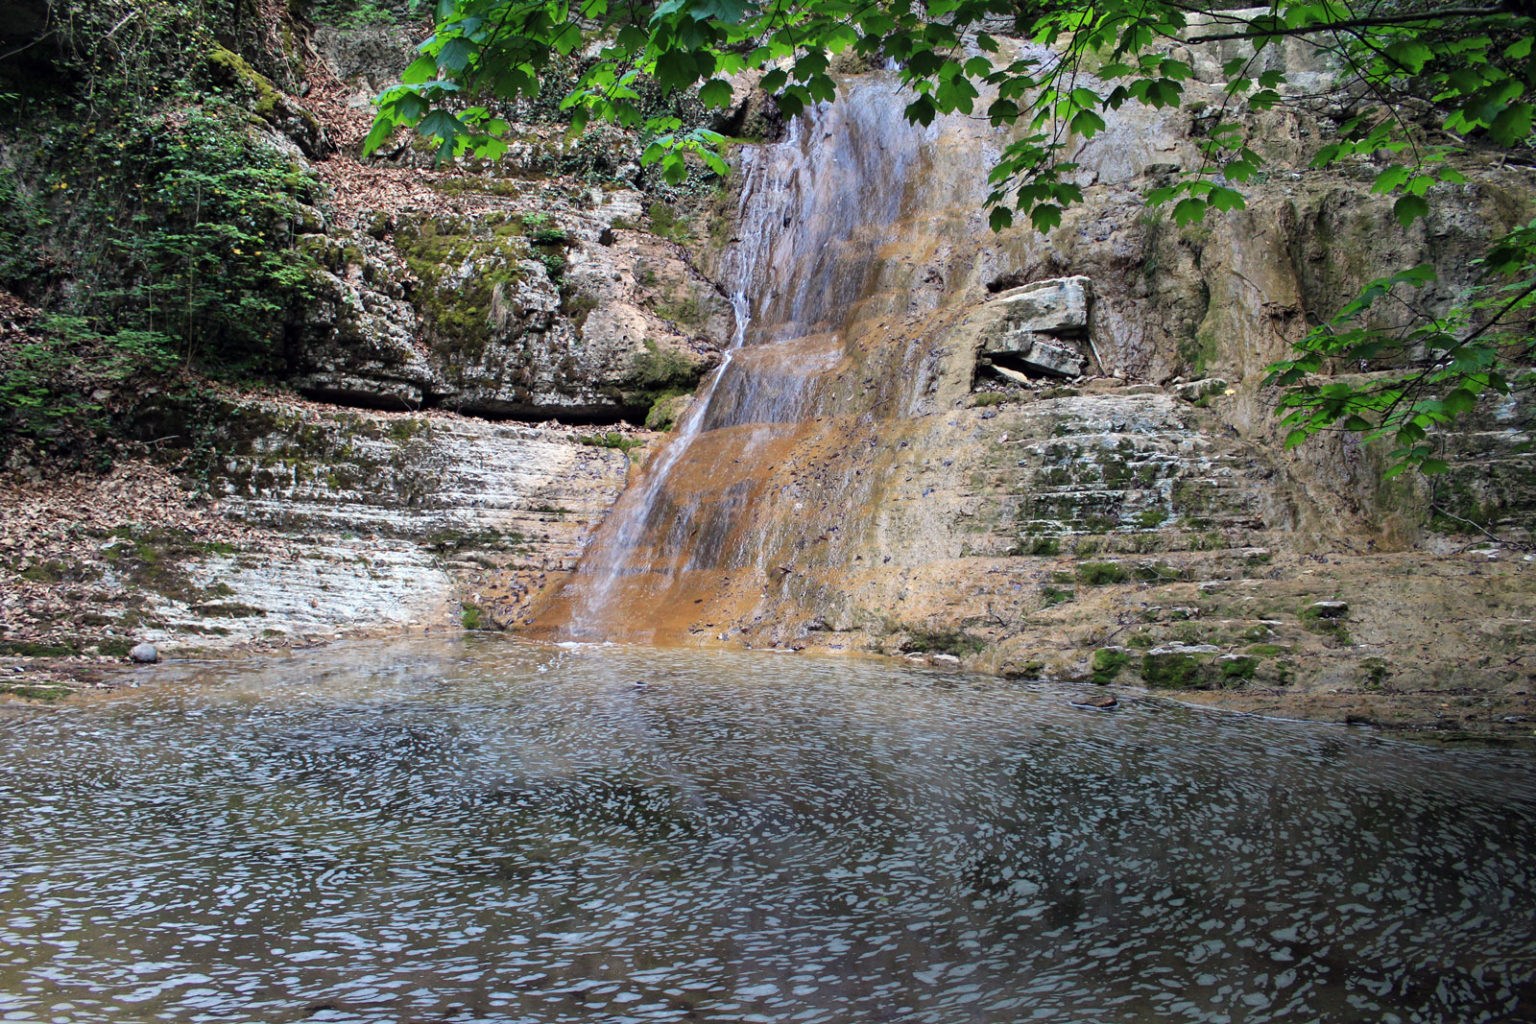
[36, 692]
[1098, 574]
[33, 649]
[1174, 670]
[954, 642]
[1107, 663]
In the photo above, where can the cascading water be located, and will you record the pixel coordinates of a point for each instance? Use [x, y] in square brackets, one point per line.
[816, 212]
[787, 501]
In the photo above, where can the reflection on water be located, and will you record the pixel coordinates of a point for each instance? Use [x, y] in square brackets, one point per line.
[498, 831]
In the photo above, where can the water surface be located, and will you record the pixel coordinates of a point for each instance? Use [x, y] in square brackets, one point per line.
[492, 830]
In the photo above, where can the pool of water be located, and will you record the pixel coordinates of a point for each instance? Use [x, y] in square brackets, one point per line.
[491, 830]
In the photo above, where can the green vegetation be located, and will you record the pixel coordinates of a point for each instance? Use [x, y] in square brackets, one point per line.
[473, 617]
[1238, 668]
[1158, 572]
[657, 375]
[1172, 670]
[1318, 620]
[36, 692]
[1051, 596]
[1107, 663]
[953, 642]
[1045, 546]
[32, 649]
[357, 13]
[146, 216]
[1098, 574]
[611, 439]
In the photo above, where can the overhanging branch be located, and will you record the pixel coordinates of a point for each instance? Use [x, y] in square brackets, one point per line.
[1256, 32]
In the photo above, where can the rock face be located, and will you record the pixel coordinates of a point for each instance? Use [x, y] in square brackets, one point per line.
[359, 521]
[511, 312]
[849, 487]
[514, 293]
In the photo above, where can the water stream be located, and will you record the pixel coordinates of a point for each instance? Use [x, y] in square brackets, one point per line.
[500, 831]
[817, 214]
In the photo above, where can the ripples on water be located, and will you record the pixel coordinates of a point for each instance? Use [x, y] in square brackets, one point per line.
[494, 831]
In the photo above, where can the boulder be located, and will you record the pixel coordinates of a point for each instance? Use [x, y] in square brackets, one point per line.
[1055, 306]
[1038, 328]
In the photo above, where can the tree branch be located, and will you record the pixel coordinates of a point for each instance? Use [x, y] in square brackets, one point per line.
[1333, 26]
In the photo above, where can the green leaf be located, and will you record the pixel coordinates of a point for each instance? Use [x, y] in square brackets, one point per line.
[1460, 401]
[1087, 124]
[1045, 217]
[1409, 209]
[1512, 125]
[422, 69]
[378, 135]
[440, 124]
[1189, 211]
[1000, 218]
[455, 54]
[823, 89]
[1390, 179]
[1411, 56]
[1224, 199]
[715, 93]
[675, 70]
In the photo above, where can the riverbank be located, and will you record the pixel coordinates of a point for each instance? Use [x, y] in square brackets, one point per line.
[98, 564]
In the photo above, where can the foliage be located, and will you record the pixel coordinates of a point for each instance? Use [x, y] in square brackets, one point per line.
[612, 439]
[54, 384]
[1468, 352]
[148, 216]
[355, 13]
[1430, 80]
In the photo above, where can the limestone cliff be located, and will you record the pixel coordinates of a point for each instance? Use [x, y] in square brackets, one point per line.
[1053, 457]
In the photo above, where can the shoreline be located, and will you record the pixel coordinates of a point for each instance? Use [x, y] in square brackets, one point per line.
[1450, 717]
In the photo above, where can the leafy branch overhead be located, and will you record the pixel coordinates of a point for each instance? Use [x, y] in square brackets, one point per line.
[1433, 81]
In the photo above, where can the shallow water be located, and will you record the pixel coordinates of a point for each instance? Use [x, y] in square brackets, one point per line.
[492, 830]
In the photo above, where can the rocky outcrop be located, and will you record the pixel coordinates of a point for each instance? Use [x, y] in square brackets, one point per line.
[356, 521]
[512, 310]
[1039, 328]
[510, 292]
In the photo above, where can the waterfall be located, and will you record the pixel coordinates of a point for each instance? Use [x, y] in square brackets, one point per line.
[820, 212]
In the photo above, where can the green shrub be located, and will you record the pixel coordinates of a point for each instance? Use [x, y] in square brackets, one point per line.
[1098, 574]
[1045, 546]
[1051, 596]
[612, 439]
